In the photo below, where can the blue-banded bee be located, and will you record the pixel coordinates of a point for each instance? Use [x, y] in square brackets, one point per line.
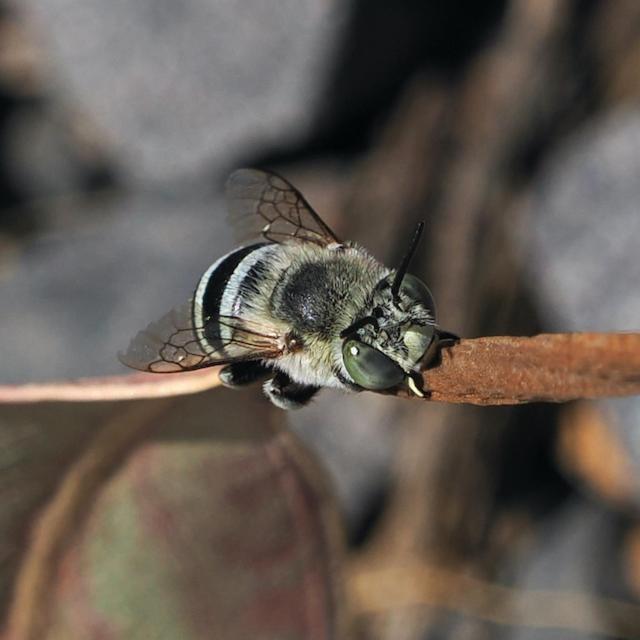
[300, 309]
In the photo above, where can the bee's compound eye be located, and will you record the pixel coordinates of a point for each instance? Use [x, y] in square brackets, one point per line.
[370, 368]
[417, 290]
[417, 340]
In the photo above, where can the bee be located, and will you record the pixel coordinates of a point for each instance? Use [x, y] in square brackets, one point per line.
[299, 310]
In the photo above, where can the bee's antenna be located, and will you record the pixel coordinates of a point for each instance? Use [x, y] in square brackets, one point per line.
[402, 270]
[358, 324]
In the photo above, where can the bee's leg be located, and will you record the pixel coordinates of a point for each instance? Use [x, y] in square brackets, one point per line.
[240, 374]
[446, 338]
[286, 394]
[440, 340]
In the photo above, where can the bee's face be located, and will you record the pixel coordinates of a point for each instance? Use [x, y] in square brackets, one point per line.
[387, 344]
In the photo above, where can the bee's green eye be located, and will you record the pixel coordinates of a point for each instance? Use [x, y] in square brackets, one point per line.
[417, 340]
[417, 290]
[370, 368]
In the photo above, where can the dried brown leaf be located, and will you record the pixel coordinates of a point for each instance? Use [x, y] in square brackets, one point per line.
[134, 386]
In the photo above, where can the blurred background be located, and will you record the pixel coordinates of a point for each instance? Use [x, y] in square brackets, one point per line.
[512, 127]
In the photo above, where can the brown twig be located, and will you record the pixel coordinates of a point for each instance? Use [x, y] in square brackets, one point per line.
[383, 588]
[485, 371]
[544, 368]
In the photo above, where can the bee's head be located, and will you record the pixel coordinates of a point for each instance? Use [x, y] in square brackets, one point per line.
[382, 347]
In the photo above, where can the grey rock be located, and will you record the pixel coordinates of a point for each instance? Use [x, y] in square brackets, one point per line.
[581, 242]
[176, 85]
[73, 300]
[562, 559]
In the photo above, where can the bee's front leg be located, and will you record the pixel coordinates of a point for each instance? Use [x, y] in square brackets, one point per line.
[446, 338]
[286, 394]
[240, 374]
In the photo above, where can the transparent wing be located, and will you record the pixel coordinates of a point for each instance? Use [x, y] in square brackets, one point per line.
[285, 212]
[174, 343]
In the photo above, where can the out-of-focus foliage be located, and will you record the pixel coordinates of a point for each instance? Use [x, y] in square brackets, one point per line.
[165, 524]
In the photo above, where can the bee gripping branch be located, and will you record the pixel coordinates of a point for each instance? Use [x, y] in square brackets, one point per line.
[543, 368]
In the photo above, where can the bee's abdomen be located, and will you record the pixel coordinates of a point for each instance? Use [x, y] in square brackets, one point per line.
[215, 282]
[221, 291]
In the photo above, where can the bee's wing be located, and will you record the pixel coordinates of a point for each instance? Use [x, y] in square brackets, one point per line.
[285, 213]
[174, 343]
